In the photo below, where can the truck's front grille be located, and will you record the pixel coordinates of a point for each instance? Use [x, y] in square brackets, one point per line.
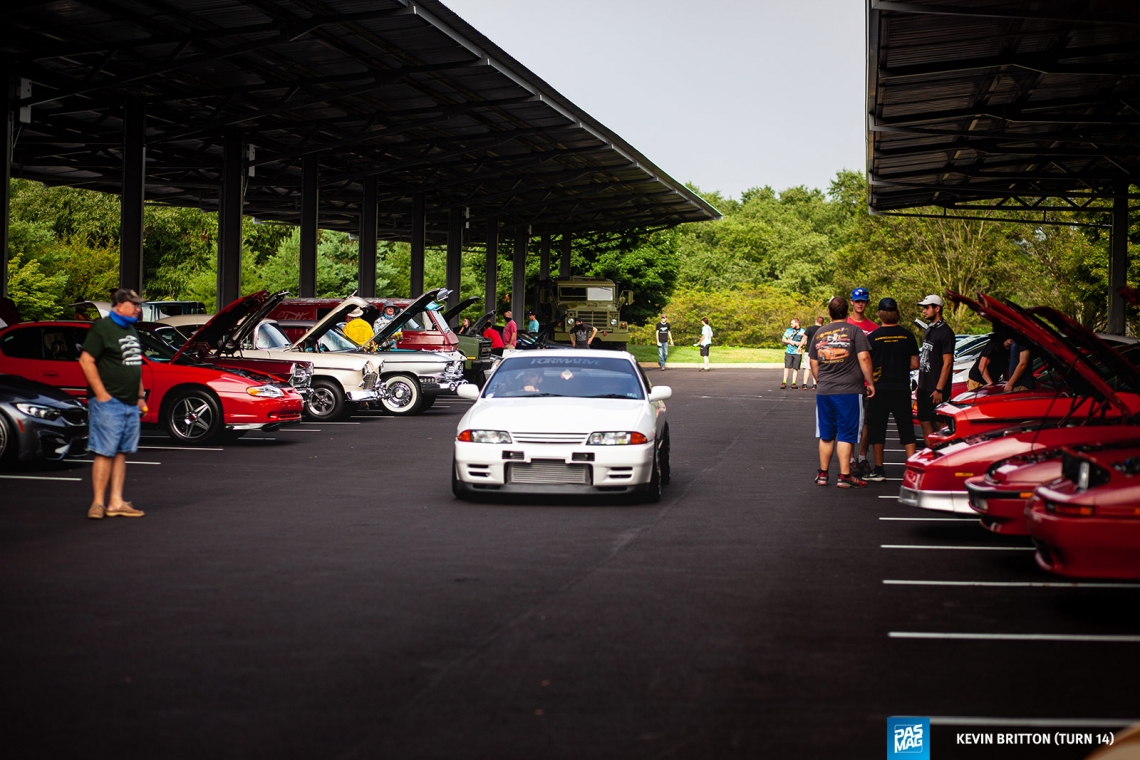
[598, 319]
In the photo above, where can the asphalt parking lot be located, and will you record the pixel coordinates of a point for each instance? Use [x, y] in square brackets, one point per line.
[318, 592]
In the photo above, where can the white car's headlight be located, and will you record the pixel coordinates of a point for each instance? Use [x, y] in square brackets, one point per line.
[265, 391]
[40, 412]
[484, 436]
[619, 438]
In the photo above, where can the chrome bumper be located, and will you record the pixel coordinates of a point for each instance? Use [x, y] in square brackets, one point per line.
[362, 395]
[957, 502]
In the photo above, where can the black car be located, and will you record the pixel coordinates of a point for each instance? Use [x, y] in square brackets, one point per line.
[39, 421]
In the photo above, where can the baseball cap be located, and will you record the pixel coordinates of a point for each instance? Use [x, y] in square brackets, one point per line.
[125, 294]
[888, 304]
[931, 300]
[860, 294]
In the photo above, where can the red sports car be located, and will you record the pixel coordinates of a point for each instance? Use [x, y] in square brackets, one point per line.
[1087, 523]
[194, 403]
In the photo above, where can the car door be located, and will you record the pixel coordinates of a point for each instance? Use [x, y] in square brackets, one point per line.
[22, 353]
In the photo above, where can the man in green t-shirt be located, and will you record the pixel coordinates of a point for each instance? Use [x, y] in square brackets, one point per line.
[112, 361]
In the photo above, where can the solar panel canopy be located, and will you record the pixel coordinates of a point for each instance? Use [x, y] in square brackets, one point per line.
[403, 91]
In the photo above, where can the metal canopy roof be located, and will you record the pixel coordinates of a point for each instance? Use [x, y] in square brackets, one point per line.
[1017, 104]
[401, 89]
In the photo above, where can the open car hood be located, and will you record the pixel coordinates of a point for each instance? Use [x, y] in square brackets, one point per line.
[459, 307]
[1065, 357]
[223, 328]
[415, 307]
[1117, 371]
[331, 319]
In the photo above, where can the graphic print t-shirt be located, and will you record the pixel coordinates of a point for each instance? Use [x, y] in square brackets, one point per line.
[795, 336]
[936, 341]
[581, 335]
[892, 347]
[662, 333]
[836, 347]
[118, 357]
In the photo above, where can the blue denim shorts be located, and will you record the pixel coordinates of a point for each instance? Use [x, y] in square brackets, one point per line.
[839, 416]
[112, 427]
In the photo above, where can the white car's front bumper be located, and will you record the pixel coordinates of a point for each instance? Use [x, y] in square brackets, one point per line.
[589, 469]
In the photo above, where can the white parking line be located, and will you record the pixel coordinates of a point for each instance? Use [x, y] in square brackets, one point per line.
[340, 423]
[931, 519]
[1109, 639]
[36, 477]
[1013, 584]
[88, 461]
[967, 720]
[888, 497]
[302, 430]
[180, 448]
[247, 438]
[961, 548]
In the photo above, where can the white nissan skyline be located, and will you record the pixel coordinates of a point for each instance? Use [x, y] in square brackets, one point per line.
[564, 421]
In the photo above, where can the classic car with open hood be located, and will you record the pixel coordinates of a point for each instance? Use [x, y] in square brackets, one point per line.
[193, 402]
[340, 380]
[1099, 397]
[1086, 524]
[411, 378]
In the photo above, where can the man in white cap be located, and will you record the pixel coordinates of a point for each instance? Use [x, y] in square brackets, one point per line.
[935, 363]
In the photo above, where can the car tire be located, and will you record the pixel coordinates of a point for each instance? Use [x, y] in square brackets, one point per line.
[326, 401]
[428, 402]
[9, 446]
[663, 457]
[458, 490]
[405, 397]
[653, 487]
[193, 416]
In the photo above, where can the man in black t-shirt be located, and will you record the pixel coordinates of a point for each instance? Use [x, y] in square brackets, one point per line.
[991, 365]
[935, 363]
[664, 340]
[581, 334]
[894, 353]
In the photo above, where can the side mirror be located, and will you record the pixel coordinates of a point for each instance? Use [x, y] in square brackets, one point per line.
[546, 296]
[659, 393]
[467, 391]
[627, 297]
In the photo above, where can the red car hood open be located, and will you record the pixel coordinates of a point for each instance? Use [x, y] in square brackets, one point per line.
[209, 337]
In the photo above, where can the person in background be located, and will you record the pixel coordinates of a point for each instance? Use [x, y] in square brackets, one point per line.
[894, 353]
[840, 356]
[810, 333]
[1020, 368]
[664, 340]
[859, 300]
[491, 334]
[705, 342]
[794, 340]
[935, 362]
[991, 365]
[510, 330]
[532, 326]
[358, 329]
[464, 326]
[112, 362]
[581, 334]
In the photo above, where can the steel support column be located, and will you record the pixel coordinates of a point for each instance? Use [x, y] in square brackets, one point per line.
[229, 217]
[310, 204]
[518, 277]
[419, 241]
[131, 199]
[454, 255]
[543, 268]
[1118, 259]
[491, 296]
[366, 258]
[6, 190]
[564, 262]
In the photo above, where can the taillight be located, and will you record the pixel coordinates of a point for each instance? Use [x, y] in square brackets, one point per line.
[1068, 510]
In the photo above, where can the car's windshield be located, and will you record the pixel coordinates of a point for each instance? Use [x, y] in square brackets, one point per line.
[565, 376]
[155, 348]
[335, 340]
[269, 335]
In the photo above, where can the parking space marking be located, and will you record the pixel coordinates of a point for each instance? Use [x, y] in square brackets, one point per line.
[37, 477]
[88, 461]
[930, 519]
[303, 430]
[246, 438]
[961, 548]
[969, 720]
[340, 423]
[180, 448]
[1082, 637]
[888, 497]
[1013, 584]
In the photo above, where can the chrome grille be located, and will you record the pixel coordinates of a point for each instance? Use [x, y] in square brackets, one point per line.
[548, 472]
[571, 438]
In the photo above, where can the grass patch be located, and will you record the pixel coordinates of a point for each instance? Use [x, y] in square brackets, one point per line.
[718, 355]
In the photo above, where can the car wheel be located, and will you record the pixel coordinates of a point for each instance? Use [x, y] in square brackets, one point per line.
[193, 416]
[9, 446]
[653, 487]
[457, 488]
[663, 457]
[326, 401]
[428, 402]
[404, 395]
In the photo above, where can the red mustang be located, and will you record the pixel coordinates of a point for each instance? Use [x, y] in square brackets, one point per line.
[935, 478]
[1087, 523]
[193, 402]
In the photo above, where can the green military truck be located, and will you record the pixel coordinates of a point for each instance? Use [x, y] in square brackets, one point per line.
[593, 299]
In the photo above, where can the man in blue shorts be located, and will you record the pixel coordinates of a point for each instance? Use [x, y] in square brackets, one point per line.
[112, 363]
[840, 357]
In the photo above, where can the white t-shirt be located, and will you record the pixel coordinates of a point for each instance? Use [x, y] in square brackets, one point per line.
[706, 335]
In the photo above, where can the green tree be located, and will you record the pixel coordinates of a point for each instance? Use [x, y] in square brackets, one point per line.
[35, 293]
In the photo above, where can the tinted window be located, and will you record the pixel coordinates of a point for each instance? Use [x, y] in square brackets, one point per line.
[63, 343]
[23, 344]
[576, 377]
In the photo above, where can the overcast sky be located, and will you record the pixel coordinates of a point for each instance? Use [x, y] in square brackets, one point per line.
[726, 94]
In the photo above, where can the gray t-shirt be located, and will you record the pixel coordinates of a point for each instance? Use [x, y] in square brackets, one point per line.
[837, 347]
